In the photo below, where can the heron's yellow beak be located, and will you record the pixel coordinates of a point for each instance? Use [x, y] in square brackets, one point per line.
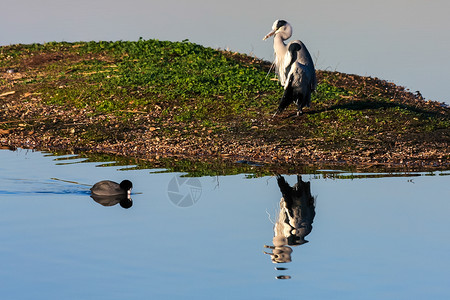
[270, 34]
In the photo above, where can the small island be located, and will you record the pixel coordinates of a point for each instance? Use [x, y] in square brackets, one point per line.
[153, 100]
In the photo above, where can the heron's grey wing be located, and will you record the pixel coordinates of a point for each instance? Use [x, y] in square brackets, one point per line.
[304, 58]
[291, 56]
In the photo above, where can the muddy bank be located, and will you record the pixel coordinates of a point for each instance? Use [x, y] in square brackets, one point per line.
[357, 122]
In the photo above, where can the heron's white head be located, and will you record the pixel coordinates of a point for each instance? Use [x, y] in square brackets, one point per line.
[281, 28]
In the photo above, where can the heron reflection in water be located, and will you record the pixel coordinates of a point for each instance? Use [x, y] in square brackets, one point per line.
[294, 221]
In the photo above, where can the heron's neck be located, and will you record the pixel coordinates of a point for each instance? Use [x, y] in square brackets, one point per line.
[279, 46]
[280, 52]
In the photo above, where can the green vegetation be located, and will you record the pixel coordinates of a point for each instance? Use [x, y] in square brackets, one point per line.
[184, 80]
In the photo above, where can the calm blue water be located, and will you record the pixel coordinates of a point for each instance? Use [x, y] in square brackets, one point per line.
[371, 238]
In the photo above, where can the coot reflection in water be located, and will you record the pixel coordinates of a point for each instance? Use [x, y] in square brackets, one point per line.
[294, 221]
[124, 200]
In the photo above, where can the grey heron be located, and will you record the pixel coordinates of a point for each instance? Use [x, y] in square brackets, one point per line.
[294, 67]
